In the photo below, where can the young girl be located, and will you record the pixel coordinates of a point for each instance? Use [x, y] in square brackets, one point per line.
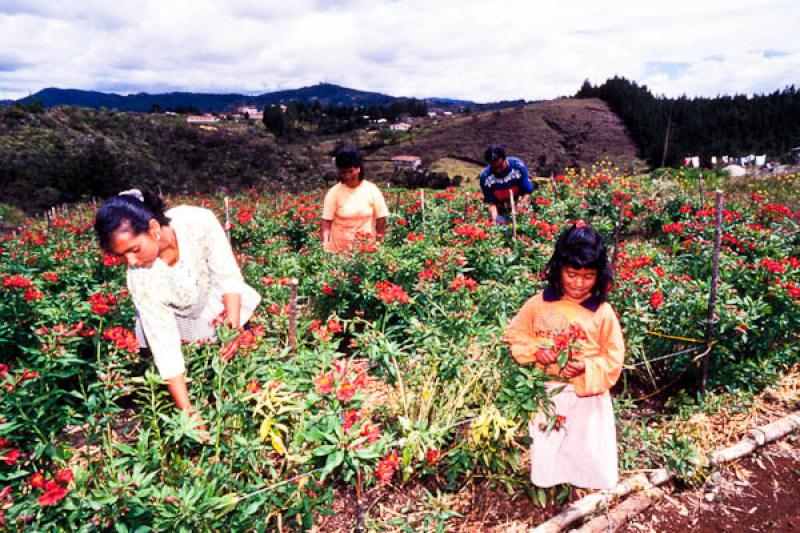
[572, 314]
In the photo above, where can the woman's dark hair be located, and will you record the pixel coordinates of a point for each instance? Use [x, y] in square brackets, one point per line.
[136, 208]
[349, 157]
[580, 246]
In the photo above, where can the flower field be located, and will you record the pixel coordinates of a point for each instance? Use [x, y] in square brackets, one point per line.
[395, 371]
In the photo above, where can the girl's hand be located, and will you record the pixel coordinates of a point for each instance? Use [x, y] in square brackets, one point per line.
[546, 357]
[573, 369]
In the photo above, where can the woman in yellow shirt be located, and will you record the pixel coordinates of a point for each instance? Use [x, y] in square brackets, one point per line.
[354, 207]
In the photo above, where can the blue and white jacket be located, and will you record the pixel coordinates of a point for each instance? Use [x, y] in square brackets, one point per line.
[497, 189]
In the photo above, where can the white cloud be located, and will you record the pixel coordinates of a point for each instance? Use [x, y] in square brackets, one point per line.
[470, 49]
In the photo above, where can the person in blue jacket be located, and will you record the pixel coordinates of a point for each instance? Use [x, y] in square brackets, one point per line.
[499, 179]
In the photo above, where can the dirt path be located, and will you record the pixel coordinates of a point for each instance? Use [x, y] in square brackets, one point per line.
[758, 493]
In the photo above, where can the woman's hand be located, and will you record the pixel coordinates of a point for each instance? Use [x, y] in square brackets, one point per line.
[573, 369]
[229, 350]
[325, 230]
[546, 357]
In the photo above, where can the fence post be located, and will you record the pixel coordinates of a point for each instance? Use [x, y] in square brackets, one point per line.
[227, 219]
[617, 231]
[555, 184]
[422, 207]
[513, 216]
[712, 297]
[293, 315]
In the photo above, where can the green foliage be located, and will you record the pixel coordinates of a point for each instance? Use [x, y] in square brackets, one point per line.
[733, 125]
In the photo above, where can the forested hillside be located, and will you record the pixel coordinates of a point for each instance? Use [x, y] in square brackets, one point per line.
[53, 156]
[732, 125]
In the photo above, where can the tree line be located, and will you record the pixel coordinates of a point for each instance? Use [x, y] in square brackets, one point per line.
[724, 125]
[300, 119]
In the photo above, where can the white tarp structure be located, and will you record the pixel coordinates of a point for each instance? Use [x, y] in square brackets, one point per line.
[735, 171]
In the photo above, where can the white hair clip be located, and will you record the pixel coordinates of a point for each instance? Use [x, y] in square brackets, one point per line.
[136, 193]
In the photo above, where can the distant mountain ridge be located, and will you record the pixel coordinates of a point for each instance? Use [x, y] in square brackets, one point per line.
[324, 93]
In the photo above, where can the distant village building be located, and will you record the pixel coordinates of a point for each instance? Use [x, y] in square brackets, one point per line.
[400, 126]
[381, 121]
[431, 114]
[250, 112]
[206, 118]
[448, 113]
[406, 161]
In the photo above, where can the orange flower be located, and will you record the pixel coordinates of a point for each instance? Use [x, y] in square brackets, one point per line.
[324, 383]
[345, 392]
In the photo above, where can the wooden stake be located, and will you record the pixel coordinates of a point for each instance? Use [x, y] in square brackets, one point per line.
[513, 217]
[553, 181]
[293, 315]
[617, 230]
[227, 219]
[422, 206]
[712, 297]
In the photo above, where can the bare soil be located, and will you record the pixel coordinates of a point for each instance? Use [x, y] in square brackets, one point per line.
[758, 493]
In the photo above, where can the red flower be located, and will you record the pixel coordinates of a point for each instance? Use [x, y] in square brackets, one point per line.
[327, 289]
[37, 480]
[334, 326]
[102, 303]
[561, 340]
[386, 467]
[371, 431]
[5, 493]
[361, 380]
[123, 339]
[110, 260]
[324, 383]
[389, 292]
[463, 281]
[433, 456]
[17, 282]
[53, 494]
[64, 475]
[11, 456]
[273, 309]
[52, 277]
[3, 371]
[253, 386]
[656, 299]
[345, 392]
[28, 374]
[350, 417]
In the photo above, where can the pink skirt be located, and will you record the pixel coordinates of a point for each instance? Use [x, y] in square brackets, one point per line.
[583, 450]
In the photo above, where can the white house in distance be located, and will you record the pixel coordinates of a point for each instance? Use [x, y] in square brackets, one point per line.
[250, 112]
[206, 118]
[406, 161]
[400, 126]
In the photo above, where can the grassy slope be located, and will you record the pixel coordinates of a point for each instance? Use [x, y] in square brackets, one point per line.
[549, 136]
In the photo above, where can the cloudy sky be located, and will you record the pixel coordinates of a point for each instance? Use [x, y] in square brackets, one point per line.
[469, 49]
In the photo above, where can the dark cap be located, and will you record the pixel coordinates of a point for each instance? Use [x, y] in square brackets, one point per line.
[493, 153]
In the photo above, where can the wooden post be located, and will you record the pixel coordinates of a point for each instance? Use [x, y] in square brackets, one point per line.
[422, 206]
[712, 297]
[555, 184]
[617, 230]
[513, 217]
[227, 219]
[293, 315]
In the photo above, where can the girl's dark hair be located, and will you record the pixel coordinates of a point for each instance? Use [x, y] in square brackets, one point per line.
[127, 208]
[349, 157]
[580, 246]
